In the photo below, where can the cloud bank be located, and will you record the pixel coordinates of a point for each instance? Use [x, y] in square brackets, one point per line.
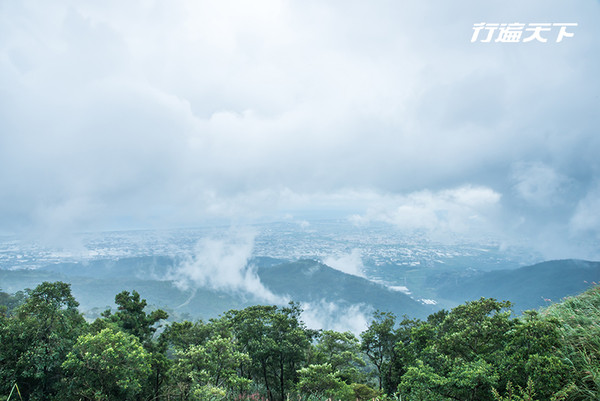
[164, 115]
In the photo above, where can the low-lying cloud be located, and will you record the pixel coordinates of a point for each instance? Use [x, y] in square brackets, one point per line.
[222, 264]
[333, 316]
[350, 263]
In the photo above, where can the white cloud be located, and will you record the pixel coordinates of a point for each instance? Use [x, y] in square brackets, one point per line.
[539, 184]
[586, 218]
[222, 264]
[400, 288]
[350, 263]
[331, 316]
[466, 210]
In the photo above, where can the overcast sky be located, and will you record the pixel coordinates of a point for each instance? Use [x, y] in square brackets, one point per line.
[145, 114]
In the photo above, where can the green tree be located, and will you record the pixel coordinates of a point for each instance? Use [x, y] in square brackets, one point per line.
[202, 369]
[458, 353]
[9, 302]
[179, 336]
[402, 354]
[532, 355]
[477, 351]
[323, 381]
[110, 365]
[342, 352]
[579, 330]
[292, 340]
[132, 318]
[251, 327]
[378, 343]
[36, 339]
[277, 343]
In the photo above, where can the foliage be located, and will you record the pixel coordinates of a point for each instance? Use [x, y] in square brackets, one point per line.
[179, 336]
[132, 318]
[378, 343]
[363, 392]
[277, 343]
[109, 365]
[520, 394]
[342, 352]
[579, 328]
[8, 302]
[476, 351]
[35, 340]
[323, 381]
[209, 367]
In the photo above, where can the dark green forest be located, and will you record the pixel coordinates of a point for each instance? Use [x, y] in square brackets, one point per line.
[477, 351]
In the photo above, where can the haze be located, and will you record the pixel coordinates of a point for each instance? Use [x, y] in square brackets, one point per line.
[167, 114]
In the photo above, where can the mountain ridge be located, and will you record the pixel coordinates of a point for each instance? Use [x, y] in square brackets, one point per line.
[96, 283]
[306, 281]
[527, 287]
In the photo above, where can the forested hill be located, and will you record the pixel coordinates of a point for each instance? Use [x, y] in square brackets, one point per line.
[308, 280]
[527, 287]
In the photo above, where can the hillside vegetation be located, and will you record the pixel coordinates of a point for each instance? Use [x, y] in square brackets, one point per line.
[579, 319]
[477, 351]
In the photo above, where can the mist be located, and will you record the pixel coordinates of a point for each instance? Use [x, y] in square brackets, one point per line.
[350, 263]
[331, 316]
[222, 264]
[202, 113]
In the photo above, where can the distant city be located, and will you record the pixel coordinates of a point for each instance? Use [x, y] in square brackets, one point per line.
[379, 246]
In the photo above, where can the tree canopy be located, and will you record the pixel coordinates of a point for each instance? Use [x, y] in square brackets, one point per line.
[476, 351]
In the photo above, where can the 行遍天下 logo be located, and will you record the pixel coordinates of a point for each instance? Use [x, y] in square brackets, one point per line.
[486, 32]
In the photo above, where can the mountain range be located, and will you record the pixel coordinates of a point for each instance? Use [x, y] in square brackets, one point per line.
[96, 283]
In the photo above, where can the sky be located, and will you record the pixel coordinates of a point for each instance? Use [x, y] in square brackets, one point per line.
[154, 114]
